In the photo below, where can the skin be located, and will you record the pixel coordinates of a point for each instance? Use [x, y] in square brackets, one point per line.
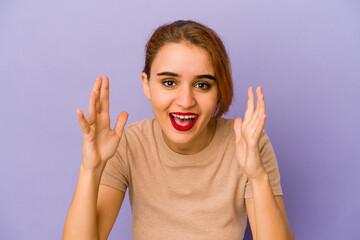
[95, 207]
[99, 140]
[266, 213]
[185, 92]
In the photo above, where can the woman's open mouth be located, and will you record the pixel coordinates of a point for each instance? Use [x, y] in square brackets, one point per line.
[183, 121]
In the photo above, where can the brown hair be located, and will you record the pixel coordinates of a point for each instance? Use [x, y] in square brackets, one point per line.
[202, 36]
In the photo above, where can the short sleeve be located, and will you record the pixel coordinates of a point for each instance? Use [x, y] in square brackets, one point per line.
[116, 173]
[269, 161]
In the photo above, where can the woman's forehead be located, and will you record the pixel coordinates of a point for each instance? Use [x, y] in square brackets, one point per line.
[182, 58]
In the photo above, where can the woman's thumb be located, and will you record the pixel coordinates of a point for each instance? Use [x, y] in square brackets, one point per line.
[120, 123]
[237, 128]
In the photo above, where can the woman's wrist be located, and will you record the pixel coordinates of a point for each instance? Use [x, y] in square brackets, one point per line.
[92, 171]
[262, 177]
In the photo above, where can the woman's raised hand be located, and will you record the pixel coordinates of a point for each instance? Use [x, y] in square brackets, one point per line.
[248, 133]
[99, 140]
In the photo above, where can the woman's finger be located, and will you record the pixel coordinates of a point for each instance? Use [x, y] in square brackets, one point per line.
[261, 124]
[120, 123]
[256, 113]
[260, 107]
[104, 97]
[96, 89]
[85, 127]
[250, 106]
[91, 116]
[261, 101]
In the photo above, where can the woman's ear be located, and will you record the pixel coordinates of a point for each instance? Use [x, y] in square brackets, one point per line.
[145, 83]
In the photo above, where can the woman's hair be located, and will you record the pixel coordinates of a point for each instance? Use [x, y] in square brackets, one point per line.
[202, 36]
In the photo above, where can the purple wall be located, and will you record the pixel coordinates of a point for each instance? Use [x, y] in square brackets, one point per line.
[305, 54]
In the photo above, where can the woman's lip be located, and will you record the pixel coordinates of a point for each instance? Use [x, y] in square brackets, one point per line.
[183, 128]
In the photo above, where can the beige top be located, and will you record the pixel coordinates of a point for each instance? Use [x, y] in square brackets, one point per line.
[174, 196]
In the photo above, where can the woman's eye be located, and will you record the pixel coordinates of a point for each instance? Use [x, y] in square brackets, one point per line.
[169, 83]
[203, 85]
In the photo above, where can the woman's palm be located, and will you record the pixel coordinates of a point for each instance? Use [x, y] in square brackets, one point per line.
[99, 140]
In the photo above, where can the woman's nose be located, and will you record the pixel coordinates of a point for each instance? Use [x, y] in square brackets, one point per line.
[185, 97]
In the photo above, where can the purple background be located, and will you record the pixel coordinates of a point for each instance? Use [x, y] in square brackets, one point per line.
[305, 55]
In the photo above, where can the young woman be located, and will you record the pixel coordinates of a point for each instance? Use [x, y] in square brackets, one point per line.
[190, 173]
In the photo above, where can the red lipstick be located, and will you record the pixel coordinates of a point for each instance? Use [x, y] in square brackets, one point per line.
[179, 127]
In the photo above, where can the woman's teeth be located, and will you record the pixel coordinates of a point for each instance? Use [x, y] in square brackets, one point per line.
[182, 117]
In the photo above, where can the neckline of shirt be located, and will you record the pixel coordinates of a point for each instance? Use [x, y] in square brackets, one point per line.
[201, 156]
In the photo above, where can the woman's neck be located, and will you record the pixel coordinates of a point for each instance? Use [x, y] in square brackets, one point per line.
[198, 144]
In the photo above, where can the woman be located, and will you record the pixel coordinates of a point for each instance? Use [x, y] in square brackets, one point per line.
[190, 173]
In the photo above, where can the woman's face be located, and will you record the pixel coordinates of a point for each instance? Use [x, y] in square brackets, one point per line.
[183, 94]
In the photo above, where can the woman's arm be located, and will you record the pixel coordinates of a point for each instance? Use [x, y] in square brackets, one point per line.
[87, 216]
[108, 207]
[266, 213]
[93, 210]
[81, 221]
[265, 216]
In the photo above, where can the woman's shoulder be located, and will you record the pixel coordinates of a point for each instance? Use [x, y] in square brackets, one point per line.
[144, 126]
[139, 125]
[225, 121]
[225, 125]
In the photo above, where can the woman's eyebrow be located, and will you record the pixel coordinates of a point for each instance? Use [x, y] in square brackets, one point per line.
[168, 74]
[206, 76]
[177, 75]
